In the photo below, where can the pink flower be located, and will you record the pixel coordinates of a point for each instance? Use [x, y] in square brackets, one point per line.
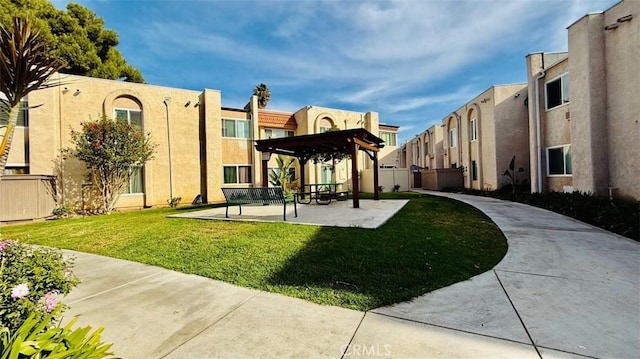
[19, 291]
[5, 244]
[68, 273]
[50, 301]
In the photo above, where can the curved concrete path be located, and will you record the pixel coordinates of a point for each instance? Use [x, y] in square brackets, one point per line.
[564, 290]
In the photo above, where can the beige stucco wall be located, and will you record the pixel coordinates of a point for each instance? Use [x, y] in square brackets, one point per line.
[622, 51]
[82, 99]
[604, 87]
[19, 147]
[556, 128]
[502, 132]
[211, 145]
[511, 132]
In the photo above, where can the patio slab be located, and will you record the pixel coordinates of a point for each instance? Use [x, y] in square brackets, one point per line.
[371, 214]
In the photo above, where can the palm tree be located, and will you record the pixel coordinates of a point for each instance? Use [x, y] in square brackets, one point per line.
[263, 93]
[24, 67]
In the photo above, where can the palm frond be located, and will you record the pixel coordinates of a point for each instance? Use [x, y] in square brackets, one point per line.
[24, 64]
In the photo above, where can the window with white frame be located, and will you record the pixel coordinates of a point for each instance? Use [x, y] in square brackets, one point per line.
[278, 133]
[136, 182]
[453, 137]
[389, 138]
[557, 91]
[236, 128]
[559, 161]
[473, 129]
[324, 129]
[133, 116]
[236, 174]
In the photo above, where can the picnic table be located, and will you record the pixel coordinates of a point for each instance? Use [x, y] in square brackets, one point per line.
[323, 193]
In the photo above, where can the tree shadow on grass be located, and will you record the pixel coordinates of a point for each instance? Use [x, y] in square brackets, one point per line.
[431, 243]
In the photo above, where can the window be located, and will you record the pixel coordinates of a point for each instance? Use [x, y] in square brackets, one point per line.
[134, 117]
[233, 128]
[473, 130]
[474, 171]
[237, 174]
[389, 138]
[326, 174]
[23, 115]
[136, 182]
[16, 170]
[559, 161]
[557, 91]
[277, 133]
[453, 137]
[324, 129]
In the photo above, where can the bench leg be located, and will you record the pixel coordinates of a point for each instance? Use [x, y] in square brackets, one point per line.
[285, 211]
[295, 209]
[240, 206]
[226, 212]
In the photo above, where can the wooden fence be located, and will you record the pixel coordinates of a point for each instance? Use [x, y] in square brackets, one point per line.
[26, 197]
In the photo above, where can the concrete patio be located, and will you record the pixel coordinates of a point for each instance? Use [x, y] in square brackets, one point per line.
[371, 214]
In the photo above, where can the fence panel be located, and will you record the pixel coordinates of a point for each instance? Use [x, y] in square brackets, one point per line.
[26, 197]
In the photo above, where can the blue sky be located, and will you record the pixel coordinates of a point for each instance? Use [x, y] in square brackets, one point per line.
[411, 61]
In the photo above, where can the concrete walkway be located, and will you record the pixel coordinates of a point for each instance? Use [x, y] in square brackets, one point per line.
[564, 290]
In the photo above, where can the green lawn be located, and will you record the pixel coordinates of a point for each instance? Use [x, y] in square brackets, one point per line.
[432, 242]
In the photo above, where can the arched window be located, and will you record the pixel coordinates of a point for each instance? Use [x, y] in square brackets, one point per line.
[128, 108]
[325, 124]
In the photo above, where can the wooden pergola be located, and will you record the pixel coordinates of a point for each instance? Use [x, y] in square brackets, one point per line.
[345, 141]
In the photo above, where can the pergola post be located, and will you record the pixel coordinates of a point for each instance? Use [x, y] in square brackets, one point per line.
[265, 168]
[354, 175]
[303, 163]
[376, 189]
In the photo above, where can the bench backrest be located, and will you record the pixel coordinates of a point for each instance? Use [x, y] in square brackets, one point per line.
[256, 195]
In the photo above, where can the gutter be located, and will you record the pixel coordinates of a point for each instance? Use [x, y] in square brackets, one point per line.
[541, 74]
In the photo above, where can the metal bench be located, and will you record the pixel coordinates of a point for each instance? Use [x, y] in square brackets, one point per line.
[257, 195]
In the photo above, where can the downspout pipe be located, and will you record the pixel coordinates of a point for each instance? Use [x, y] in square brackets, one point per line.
[538, 135]
[167, 101]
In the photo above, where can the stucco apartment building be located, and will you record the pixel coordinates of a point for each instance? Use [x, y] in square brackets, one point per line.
[574, 126]
[480, 138]
[201, 145]
[584, 114]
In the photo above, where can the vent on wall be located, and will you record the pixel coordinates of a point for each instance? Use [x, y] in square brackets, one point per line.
[567, 115]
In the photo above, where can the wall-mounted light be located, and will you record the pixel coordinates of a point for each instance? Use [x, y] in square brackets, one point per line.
[618, 22]
[77, 92]
[187, 104]
[197, 104]
[612, 26]
[65, 90]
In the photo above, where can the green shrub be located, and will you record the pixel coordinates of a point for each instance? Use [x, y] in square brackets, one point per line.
[32, 279]
[62, 211]
[618, 215]
[36, 338]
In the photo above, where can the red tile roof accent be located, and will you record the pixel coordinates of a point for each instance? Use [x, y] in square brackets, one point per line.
[274, 119]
